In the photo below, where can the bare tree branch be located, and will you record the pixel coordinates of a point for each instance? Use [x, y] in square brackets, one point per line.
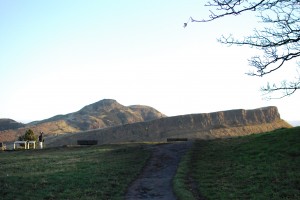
[279, 40]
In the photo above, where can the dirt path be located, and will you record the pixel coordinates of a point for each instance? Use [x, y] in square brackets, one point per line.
[155, 182]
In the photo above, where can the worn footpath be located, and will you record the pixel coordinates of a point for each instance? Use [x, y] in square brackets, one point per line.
[155, 182]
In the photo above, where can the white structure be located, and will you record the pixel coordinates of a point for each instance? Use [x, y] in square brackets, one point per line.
[41, 145]
[26, 144]
[31, 142]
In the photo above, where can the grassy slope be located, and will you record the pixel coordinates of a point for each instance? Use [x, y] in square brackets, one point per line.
[99, 172]
[263, 166]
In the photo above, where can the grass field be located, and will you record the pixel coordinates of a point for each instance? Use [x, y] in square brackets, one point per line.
[98, 172]
[263, 166]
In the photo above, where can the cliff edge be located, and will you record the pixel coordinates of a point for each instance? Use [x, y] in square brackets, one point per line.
[193, 126]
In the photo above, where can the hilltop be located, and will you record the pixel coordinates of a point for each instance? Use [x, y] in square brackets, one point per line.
[105, 113]
[102, 114]
[6, 124]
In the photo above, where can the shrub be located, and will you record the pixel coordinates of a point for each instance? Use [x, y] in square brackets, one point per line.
[28, 136]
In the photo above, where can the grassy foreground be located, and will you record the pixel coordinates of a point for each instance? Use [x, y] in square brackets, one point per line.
[263, 166]
[98, 172]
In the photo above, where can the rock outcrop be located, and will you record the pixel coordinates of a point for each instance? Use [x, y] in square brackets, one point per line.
[194, 126]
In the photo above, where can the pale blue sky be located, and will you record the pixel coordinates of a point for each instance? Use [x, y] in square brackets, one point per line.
[57, 56]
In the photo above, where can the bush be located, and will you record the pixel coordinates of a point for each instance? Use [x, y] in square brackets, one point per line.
[28, 136]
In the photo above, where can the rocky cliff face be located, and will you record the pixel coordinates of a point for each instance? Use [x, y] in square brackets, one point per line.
[202, 126]
[102, 114]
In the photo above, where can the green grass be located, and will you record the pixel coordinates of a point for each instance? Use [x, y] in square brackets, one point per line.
[181, 182]
[98, 172]
[262, 166]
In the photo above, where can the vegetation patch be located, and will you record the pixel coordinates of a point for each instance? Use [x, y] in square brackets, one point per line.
[94, 172]
[262, 166]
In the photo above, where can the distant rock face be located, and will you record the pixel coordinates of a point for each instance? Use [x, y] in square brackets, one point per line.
[195, 126]
[108, 113]
[102, 114]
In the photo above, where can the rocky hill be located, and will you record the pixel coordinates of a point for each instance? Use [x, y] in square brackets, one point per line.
[102, 114]
[6, 124]
[201, 126]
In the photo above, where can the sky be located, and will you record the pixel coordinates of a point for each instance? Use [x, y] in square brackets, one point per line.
[56, 56]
